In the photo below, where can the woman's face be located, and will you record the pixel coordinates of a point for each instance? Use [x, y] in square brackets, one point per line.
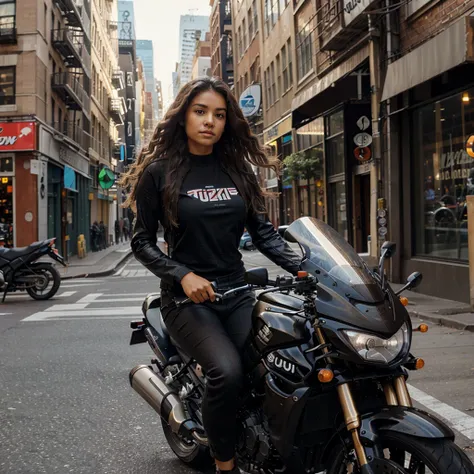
[205, 121]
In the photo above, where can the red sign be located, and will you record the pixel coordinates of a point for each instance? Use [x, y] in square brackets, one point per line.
[17, 136]
[363, 153]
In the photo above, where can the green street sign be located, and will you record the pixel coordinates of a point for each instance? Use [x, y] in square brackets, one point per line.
[106, 178]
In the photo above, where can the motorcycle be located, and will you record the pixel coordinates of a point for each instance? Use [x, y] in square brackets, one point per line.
[20, 270]
[326, 365]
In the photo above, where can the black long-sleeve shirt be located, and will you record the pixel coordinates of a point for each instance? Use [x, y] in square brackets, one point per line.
[211, 215]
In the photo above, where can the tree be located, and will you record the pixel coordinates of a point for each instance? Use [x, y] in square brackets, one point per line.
[304, 165]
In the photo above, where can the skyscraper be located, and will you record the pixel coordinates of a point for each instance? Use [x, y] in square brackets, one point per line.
[145, 53]
[191, 29]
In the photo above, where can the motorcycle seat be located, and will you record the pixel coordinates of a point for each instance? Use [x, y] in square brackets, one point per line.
[12, 254]
[155, 318]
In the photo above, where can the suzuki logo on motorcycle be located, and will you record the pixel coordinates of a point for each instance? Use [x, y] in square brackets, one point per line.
[265, 334]
[280, 363]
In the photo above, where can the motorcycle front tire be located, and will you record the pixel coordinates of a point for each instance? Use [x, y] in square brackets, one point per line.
[441, 456]
[55, 276]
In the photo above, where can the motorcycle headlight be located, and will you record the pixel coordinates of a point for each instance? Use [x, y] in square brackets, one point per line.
[376, 349]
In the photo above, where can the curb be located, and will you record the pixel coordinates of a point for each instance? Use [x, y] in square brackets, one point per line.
[104, 273]
[443, 320]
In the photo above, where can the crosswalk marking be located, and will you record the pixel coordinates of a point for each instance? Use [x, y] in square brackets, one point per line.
[136, 273]
[87, 313]
[65, 294]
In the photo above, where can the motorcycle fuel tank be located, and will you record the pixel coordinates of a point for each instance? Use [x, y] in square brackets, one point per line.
[274, 330]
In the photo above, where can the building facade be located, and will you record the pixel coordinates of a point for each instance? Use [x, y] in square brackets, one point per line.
[145, 53]
[429, 110]
[45, 117]
[332, 114]
[191, 29]
[277, 45]
[222, 60]
[202, 58]
[108, 110]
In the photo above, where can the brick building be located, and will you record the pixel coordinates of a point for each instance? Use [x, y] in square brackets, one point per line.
[222, 60]
[428, 103]
[45, 78]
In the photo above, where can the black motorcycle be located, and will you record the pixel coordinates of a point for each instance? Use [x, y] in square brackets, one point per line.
[326, 368]
[20, 270]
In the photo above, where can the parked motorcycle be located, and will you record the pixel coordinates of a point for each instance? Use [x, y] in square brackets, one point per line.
[20, 270]
[326, 367]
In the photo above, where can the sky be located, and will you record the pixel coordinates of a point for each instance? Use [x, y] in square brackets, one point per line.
[158, 20]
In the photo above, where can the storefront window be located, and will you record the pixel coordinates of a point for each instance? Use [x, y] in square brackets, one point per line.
[444, 176]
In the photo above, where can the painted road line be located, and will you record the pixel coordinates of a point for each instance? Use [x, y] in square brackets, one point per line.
[13, 296]
[90, 298]
[457, 419]
[85, 313]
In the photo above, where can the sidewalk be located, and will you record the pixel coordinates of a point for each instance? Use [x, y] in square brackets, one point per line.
[427, 308]
[97, 264]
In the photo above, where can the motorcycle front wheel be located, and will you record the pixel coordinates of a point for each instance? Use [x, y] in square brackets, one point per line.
[408, 455]
[44, 290]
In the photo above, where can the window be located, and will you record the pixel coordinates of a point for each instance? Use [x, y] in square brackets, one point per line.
[275, 12]
[7, 85]
[272, 83]
[53, 111]
[278, 71]
[239, 44]
[304, 50]
[244, 33]
[443, 176]
[255, 16]
[267, 88]
[7, 15]
[250, 21]
[282, 5]
[284, 65]
[290, 62]
[268, 16]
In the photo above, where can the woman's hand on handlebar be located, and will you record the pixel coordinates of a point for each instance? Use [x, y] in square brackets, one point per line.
[198, 289]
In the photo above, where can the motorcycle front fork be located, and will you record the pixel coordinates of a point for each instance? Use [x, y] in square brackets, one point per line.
[395, 394]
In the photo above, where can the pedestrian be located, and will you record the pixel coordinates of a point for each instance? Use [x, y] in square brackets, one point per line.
[95, 235]
[117, 231]
[121, 229]
[102, 238]
[196, 179]
[126, 226]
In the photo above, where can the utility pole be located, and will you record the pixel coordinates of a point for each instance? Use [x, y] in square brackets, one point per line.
[376, 170]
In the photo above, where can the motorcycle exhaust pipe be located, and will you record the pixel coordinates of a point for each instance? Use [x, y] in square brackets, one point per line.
[153, 389]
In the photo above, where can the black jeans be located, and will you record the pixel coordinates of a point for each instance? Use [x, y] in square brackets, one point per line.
[214, 335]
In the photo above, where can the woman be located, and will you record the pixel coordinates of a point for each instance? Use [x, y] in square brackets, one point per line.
[195, 179]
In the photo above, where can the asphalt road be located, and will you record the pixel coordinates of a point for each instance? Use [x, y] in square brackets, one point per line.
[65, 400]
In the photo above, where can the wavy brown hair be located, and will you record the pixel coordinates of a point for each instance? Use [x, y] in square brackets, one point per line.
[237, 149]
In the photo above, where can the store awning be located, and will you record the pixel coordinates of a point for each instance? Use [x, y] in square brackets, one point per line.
[331, 78]
[451, 48]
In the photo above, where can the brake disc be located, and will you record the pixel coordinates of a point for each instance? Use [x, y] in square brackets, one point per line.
[385, 466]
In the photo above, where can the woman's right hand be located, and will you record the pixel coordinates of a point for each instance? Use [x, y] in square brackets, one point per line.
[198, 289]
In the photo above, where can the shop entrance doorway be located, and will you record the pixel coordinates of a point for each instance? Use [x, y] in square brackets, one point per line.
[361, 212]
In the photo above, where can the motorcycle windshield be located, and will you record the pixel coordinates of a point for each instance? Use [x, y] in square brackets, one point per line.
[334, 257]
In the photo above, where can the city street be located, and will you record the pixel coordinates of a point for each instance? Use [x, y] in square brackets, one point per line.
[65, 400]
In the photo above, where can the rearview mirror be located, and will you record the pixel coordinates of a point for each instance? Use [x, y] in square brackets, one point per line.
[257, 276]
[389, 248]
[414, 280]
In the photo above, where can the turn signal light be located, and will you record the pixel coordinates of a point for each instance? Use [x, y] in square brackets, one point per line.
[419, 364]
[302, 274]
[421, 328]
[404, 300]
[325, 375]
